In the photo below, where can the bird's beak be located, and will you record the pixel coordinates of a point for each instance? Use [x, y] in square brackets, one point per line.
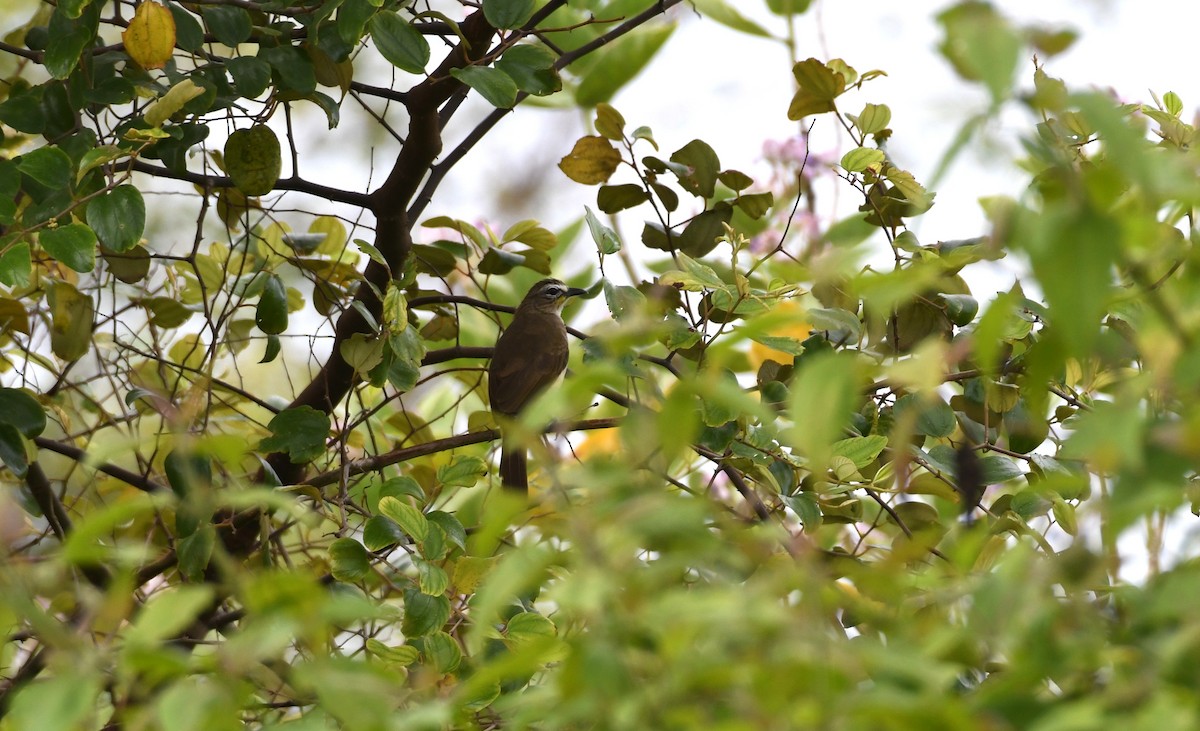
[575, 292]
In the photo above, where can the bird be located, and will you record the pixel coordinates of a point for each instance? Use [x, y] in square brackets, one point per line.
[529, 356]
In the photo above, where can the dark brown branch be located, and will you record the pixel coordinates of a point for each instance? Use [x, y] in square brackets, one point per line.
[51, 507]
[747, 492]
[130, 478]
[35, 56]
[403, 454]
[298, 185]
[56, 515]
[434, 357]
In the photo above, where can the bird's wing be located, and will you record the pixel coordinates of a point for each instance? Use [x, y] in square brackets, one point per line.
[517, 374]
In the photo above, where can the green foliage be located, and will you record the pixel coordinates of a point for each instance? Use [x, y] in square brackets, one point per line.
[815, 479]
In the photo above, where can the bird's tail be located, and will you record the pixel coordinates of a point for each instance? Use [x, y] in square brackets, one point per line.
[512, 469]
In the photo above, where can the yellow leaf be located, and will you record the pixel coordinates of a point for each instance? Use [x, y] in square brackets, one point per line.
[150, 38]
[593, 160]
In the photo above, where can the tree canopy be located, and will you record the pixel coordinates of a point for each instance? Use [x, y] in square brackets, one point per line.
[801, 473]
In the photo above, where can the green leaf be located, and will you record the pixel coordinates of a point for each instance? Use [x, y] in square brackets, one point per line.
[67, 38]
[791, 346]
[401, 656]
[1064, 515]
[819, 86]
[613, 198]
[16, 265]
[362, 352]
[788, 7]
[66, 700]
[443, 652]
[934, 417]
[755, 205]
[528, 627]
[499, 261]
[399, 42]
[451, 526]
[960, 309]
[402, 486]
[822, 399]
[253, 159]
[609, 122]
[861, 158]
[982, 45]
[532, 233]
[73, 244]
[463, 471]
[349, 561]
[251, 75]
[999, 468]
[735, 179]
[380, 532]
[300, 432]
[605, 238]
[168, 613]
[271, 314]
[195, 551]
[271, 350]
[874, 118]
[508, 14]
[862, 451]
[167, 312]
[424, 614]
[408, 518]
[700, 236]
[118, 218]
[12, 450]
[293, 68]
[703, 166]
[230, 24]
[22, 411]
[71, 315]
[695, 276]
[188, 34]
[1085, 244]
[531, 66]
[622, 61]
[98, 156]
[497, 87]
[834, 320]
[48, 165]
[431, 579]
[24, 111]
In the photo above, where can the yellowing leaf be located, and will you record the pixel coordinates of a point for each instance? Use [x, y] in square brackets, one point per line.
[593, 160]
[150, 38]
[171, 102]
[71, 314]
[252, 159]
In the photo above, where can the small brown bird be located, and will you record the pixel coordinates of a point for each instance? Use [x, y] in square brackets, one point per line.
[530, 355]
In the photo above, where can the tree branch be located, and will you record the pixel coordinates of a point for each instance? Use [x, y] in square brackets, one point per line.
[299, 185]
[130, 478]
[369, 464]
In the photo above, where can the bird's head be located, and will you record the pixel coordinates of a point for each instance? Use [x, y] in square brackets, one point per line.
[549, 294]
